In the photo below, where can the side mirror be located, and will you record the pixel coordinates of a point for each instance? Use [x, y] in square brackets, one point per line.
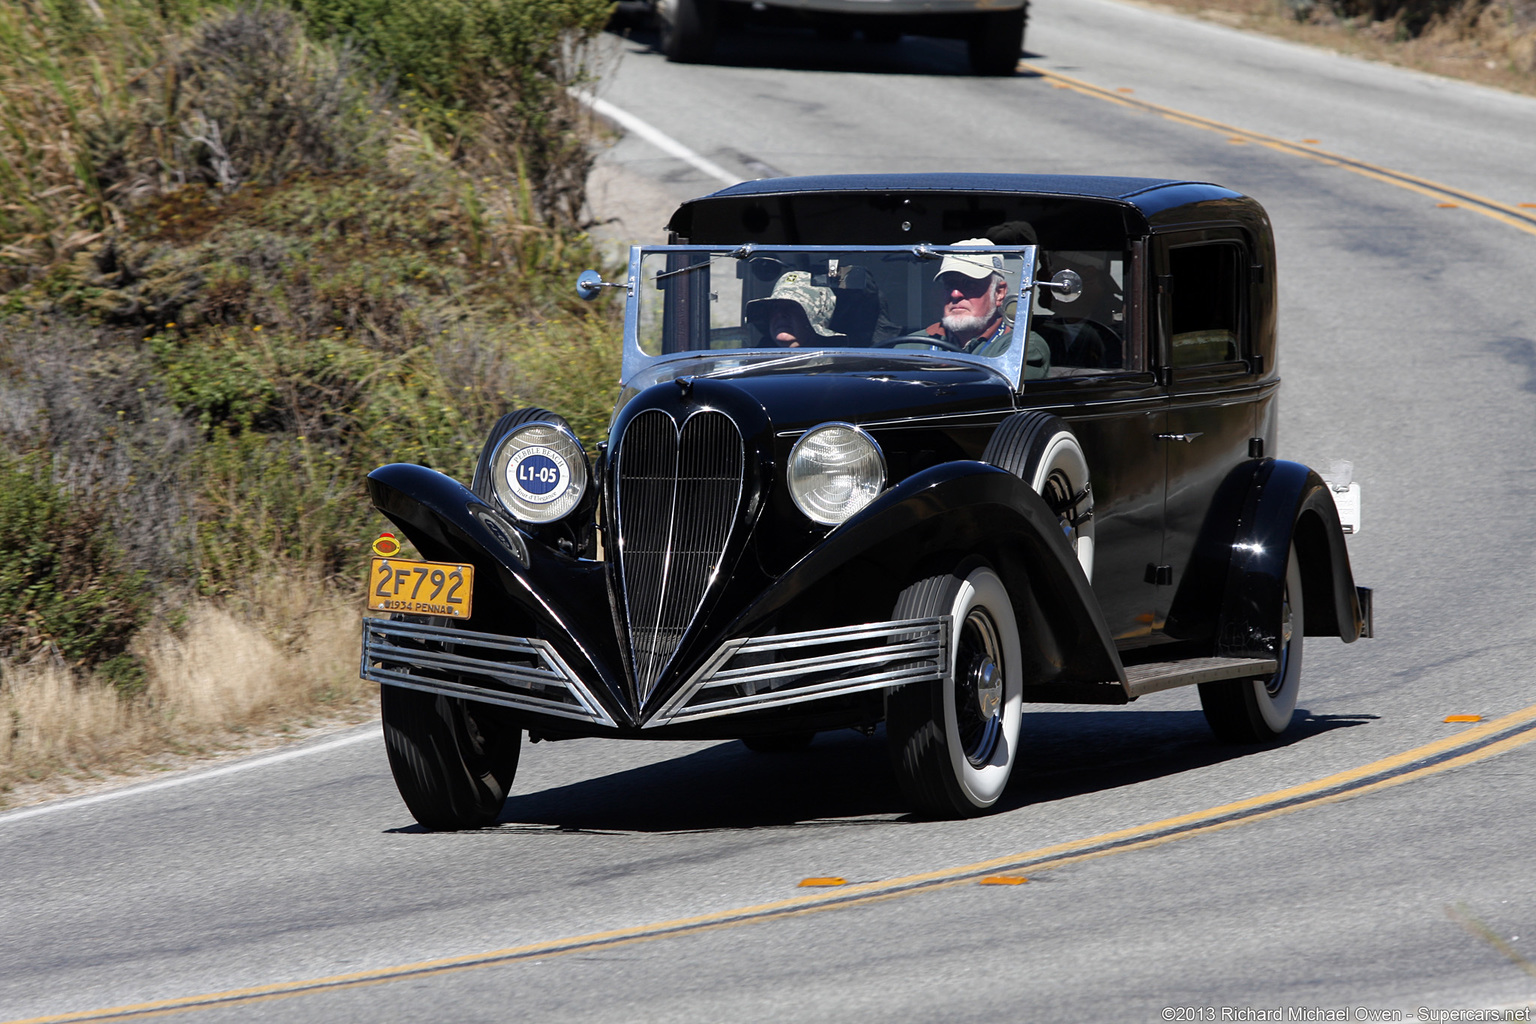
[1068, 285]
[590, 284]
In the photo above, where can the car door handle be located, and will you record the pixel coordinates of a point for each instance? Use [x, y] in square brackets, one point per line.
[1186, 438]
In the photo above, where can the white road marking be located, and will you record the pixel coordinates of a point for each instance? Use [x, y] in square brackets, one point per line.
[656, 137]
[188, 779]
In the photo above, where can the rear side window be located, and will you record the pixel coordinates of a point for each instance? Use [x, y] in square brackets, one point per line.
[1206, 320]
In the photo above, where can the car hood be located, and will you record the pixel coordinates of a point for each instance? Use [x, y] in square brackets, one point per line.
[826, 386]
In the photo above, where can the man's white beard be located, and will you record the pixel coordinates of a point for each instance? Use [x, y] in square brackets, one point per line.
[967, 326]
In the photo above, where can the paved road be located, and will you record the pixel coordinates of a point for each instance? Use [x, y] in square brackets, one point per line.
[1409, 346]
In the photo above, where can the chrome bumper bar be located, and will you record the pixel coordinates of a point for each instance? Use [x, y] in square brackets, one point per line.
[749, 674]
[771, 671]
[506, 670]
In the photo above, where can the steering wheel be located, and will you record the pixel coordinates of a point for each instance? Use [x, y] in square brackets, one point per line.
[925, 339]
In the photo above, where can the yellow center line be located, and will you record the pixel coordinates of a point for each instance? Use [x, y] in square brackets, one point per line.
[1477, 743]
[1505, 213]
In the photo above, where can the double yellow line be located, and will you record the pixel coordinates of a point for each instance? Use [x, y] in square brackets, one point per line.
[1464, 748]
[1517, 217]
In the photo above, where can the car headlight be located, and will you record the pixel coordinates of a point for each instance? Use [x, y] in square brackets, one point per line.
[834, 470]
[539, 472]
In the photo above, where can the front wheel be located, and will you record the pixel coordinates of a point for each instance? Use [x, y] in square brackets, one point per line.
[1041, 450]
[953, 742]
[1258, 710]
[453, 760]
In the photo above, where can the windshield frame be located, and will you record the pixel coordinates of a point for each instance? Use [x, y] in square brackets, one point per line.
[1010, 364]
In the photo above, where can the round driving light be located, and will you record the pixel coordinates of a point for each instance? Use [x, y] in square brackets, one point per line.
[834, 470]
[539, 472]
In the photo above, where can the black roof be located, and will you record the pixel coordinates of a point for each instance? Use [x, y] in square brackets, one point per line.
[1085, 185]
[1142, 201]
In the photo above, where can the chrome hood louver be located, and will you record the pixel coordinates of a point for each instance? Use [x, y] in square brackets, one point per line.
[678, 494]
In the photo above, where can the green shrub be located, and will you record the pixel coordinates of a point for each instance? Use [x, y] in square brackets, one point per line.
[216, 334]
[497, 70]
[63, 584]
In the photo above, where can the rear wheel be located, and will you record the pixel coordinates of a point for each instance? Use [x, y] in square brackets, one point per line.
[996, 39]
[953, 742]
[453, 760]
[687, 29]
[1258, 710]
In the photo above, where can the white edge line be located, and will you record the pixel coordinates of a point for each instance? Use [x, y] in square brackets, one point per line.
[656, 137]
[262, 761]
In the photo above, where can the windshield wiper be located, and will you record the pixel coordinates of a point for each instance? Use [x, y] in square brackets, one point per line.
[740, 253]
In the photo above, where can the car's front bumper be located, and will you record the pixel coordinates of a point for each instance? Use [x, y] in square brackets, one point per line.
[747, 674]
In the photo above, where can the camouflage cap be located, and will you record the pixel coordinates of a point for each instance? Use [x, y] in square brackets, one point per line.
[817, 301]
[983, 264]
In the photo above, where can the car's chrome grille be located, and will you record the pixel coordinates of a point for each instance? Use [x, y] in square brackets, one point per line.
[677, 498]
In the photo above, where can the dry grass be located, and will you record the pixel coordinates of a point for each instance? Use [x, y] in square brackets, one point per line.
[1491, 42]
[226, 680]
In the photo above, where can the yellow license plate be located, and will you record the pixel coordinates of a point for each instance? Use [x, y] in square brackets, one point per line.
[421, 588]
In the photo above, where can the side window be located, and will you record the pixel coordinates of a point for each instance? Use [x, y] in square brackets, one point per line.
[1086, 334]
[1207, 315]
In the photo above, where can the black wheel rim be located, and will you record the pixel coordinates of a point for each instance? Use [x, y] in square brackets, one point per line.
[978, 688]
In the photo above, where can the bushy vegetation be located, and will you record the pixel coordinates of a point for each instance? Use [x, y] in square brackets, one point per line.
[247, 253]
[1506, 28]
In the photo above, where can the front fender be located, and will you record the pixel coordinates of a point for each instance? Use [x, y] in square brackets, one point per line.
[924, 526]
[448, 522]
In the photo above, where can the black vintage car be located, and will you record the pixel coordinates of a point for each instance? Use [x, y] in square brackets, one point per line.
[911, 449]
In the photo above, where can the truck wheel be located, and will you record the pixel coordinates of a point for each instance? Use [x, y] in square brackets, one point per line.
[953, 742]
[687, 29]
[1041, 450]
[453, 760]
[1258, 710]
[995, 41]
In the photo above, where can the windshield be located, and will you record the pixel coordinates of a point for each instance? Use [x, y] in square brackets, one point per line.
[755, 308]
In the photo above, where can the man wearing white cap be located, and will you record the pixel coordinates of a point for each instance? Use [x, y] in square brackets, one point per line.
[974, 288]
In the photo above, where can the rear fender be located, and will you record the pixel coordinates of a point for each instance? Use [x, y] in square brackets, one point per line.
[1286, 504]
[926, 525]
[447, 522]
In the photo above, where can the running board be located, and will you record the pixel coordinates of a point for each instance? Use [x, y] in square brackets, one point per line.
[1166, 675]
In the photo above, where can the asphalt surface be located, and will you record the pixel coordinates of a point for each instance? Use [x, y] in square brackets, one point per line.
[1408, 346]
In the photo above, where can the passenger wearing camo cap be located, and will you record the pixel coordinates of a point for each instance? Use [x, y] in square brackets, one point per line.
[796, 313]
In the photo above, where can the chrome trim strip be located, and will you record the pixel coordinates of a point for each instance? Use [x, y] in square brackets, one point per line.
[898, 652]
[550, 674]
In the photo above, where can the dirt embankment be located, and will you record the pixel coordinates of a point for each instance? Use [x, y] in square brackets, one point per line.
[1491, 42]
